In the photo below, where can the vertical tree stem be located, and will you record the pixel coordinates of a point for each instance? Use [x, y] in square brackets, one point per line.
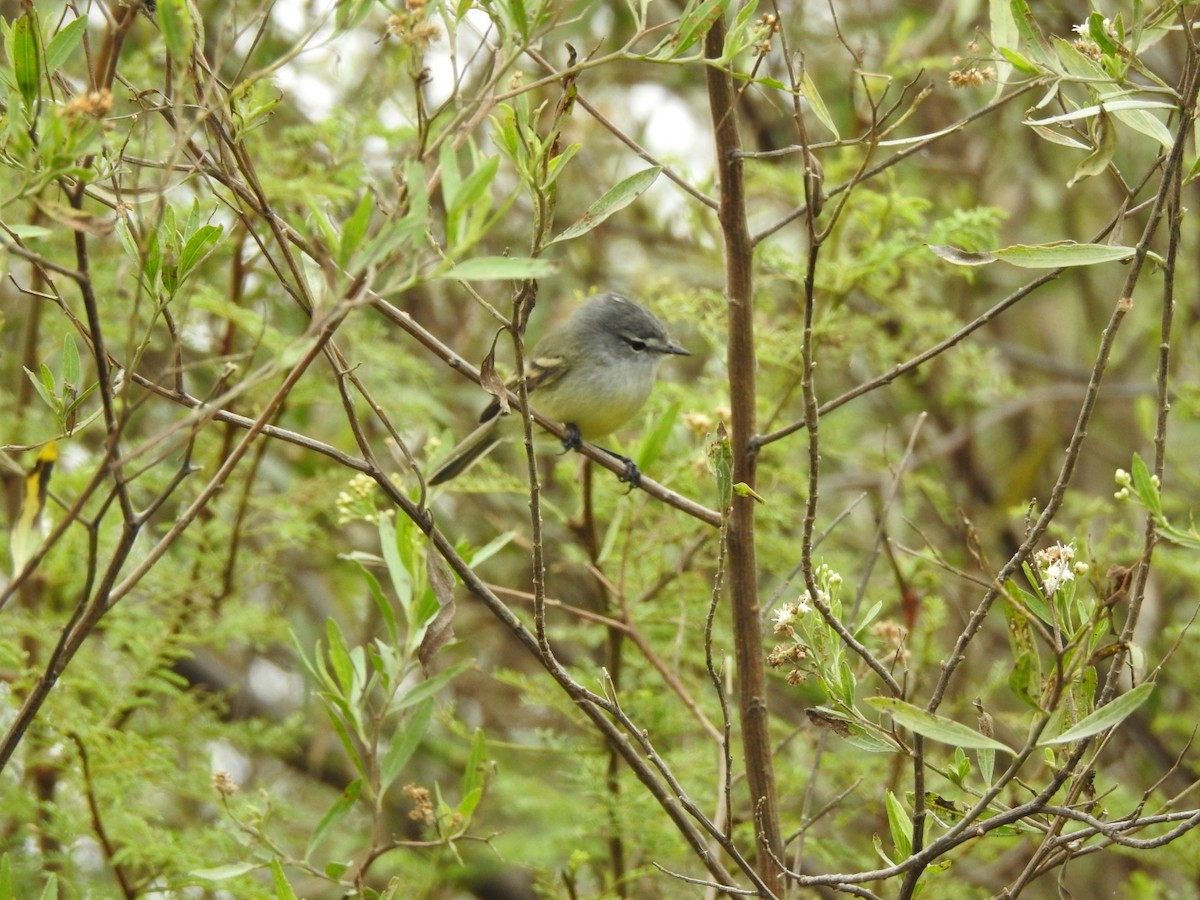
[742, 565]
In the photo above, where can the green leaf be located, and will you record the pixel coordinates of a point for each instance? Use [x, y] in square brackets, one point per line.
[1054, 255]
[490, 549]
[615, 198]
[961, 257]
[499, 268]
[338, 811]
[468, 205]
[878, 842]
[720, 463]
[473, 186]
[1145, 488]
[1034, 601]
[152, 263]
[405, 743]
[178, 29]
[474, 771]
[335, 870]
[872, 739]
[198, 246]
[934, 727]
[50, 891]
[1098, 33]
[339, 657]
[520, 17]
[30, 232]
[48, 393]
[987, 764]
[398, 571]
[128, 242]
[1029, 30]
[1019, 62]
[63, 44]
[693, 25]
[1055, 137]
[868, 617]
[27, 58]
[450, 172]
[808, 90]
[223, 873]
[654, 439]
[1113, 106]
[382, 603]
[433, 684]
[339, 727]
[737, 36]
[1105, 717]
[1004, 35]
[900, 825]
[355, 229]
[1063, 253]
[283, 890]
[71, 369]
[1144, 123]
[1097, 161]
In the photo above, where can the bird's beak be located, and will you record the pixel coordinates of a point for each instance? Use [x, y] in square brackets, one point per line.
[673, 347]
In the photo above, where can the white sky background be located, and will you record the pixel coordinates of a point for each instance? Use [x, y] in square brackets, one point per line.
[316, 82]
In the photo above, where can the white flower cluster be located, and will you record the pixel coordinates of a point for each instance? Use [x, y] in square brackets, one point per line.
[1085, 28]
[1055, 567]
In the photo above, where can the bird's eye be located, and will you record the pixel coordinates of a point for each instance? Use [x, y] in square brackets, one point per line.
[637, 345]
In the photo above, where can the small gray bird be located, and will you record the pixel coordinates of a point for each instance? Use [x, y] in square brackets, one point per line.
[592, 373]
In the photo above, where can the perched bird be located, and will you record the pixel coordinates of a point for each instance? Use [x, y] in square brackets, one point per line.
[592, 373]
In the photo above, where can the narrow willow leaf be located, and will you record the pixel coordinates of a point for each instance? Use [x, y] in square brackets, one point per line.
[198, 246]
[1105, 717]
[1062, 253]
[816, 103]
[1055, 137]
[615, 198]
[63, 44]
[29, 233]
[934, 727]
[1004, 35]
[1113, 106]
[71, 368]
[1144, 486]
[432, 685]
[339, 657]
[900, 825]
[27, 58]
[405, 743]
[499, 268]
[720, 463]
[178, 29]
[1099, 33]
[283, 890]
[338, 811]
[1106, 145]
[961, 257]
[1031, 33]
[1058, 254]
[355, 229]
[223, 873]
[1019, 62]
[1144, 123]
[474, 772]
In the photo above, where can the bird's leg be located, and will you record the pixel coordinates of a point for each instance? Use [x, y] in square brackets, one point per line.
[631, 476]
[572, 441]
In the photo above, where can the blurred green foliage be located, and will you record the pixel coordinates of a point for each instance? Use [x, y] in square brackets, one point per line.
[288, 168]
